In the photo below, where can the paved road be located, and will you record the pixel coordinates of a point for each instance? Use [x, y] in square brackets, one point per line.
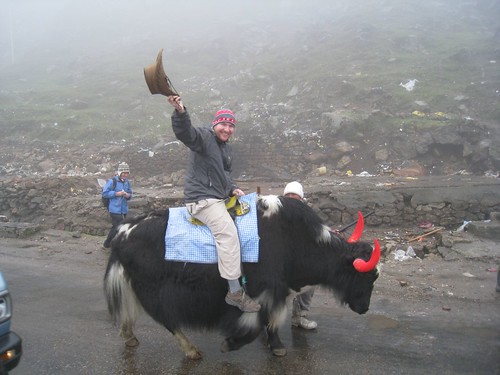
[59, 311]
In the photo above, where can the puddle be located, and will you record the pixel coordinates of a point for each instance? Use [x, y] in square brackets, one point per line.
[381, 322]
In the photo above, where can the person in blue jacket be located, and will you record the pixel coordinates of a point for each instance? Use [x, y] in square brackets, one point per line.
[119, 192]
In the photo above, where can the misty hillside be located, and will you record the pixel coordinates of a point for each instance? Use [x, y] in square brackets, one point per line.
[72, 72]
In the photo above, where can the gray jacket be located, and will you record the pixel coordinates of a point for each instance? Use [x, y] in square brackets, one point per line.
[209, 164]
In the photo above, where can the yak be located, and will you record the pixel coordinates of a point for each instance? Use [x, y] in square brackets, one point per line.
[296, 249]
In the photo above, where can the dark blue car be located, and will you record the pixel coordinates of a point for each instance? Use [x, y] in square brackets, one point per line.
[10, 343]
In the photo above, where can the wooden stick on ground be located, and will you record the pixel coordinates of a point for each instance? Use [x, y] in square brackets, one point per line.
[418, 238]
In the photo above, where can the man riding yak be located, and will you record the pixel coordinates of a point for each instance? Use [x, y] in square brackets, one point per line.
[294, 249]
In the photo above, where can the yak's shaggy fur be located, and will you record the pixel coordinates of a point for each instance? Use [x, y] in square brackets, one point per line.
[296, 249]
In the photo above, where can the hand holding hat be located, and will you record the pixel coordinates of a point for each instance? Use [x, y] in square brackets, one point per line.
[176, 102]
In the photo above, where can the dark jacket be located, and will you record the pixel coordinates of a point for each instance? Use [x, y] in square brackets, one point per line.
[209, 163]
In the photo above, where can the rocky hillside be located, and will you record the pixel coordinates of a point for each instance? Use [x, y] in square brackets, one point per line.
[369, 87]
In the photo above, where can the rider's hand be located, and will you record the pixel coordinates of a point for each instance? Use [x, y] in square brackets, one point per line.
[176, 102]
[238, 192]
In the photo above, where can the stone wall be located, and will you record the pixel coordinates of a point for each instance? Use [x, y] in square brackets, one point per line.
[444, 202]
[66, 203]
[74, 204]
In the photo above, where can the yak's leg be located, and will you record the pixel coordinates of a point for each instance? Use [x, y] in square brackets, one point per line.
[189, 349]
[127, 333]
[247, 328]
[274, 342]
[234, 343]
[275, 319]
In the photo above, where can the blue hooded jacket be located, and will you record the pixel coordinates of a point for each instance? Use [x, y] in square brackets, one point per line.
[117, 205]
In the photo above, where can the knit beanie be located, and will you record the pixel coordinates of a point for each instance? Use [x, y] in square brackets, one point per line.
[294, 188]
[224, 115]
[123, 167]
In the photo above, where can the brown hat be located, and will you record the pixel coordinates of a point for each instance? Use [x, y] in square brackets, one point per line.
[156, 78]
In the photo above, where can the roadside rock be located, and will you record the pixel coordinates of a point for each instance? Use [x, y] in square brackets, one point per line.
[489, 229]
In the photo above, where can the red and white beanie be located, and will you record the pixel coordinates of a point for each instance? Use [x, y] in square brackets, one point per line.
[224, 115]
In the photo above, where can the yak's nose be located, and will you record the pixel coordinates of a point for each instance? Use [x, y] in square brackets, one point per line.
[360, 309]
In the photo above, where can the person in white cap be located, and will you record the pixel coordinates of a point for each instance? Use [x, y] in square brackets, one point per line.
[302, 301]
[119, 192]
[295, 190]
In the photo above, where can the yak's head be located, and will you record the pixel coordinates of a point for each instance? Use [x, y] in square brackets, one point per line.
[362, 270]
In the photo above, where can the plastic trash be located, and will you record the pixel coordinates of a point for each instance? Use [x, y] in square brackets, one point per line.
[321, 171]
[410, 85]
[462, 227]
[405, 255]
[364, 174]
[400, 255]
[411, 252]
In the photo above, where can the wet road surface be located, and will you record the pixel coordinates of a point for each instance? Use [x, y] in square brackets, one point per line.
[60, 313]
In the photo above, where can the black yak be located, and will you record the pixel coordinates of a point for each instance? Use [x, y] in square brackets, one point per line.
[295, 250]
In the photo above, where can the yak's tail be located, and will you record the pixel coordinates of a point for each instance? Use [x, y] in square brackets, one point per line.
[123, 305]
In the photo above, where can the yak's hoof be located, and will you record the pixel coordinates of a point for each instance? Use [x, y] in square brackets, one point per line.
[131, 342]
[224, 347]
[194, 354]
[279, 352]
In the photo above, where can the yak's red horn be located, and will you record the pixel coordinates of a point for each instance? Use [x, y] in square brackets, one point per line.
[363, 266]
[358, 231]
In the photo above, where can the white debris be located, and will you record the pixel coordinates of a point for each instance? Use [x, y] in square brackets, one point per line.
[172, 143]
[462, 227]
[410, 85]
[364, 174]
[401, 255]
[405, 255]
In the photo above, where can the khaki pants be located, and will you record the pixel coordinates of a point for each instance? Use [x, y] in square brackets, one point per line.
[213, 213]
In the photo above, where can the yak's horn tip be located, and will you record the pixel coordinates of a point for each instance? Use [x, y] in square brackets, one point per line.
[363, 266]
[358, 230]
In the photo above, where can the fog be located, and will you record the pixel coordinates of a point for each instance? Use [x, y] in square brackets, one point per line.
[51, 30]
[48, 31]
[324, 71]
[263, 47]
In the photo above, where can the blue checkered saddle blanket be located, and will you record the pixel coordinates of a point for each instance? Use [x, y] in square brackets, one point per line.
[187, 242]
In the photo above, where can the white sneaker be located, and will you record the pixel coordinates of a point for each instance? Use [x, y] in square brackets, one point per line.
[303, 322]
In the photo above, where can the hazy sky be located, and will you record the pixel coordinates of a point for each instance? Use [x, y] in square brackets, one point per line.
[56, 34]
[31, 28]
